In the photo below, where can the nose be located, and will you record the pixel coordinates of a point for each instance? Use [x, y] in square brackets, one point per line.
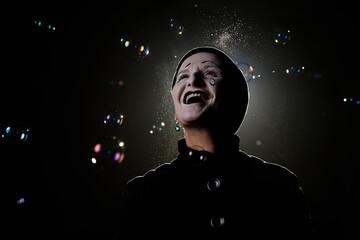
[196, 79]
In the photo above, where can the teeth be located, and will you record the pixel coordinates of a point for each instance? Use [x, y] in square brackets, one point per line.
[195, 95]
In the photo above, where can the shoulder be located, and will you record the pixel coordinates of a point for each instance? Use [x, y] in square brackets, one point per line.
[270, 172]
[151, 177]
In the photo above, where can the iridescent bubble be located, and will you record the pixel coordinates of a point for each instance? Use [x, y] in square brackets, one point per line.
[176, 27]
[44, 26]
[113, 119]
[247, 70]
[351, 100]
[135, 49]
[23, 134]
[157, 128]
[177, 128]
[20, 201]
[282, 37]
[13, 133]
[108, 152]
[292, 69]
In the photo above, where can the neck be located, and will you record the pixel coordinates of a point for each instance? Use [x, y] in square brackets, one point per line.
[202, 139]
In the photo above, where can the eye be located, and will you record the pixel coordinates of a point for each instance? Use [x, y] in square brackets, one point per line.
[211, 73]
[181, 77]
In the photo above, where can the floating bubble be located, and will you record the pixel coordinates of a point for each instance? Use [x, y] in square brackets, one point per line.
[20, 201]
[247, 70]
[176, 27]
[12, 133]
[134, 49]
[24, 134]
[292, 69]
[282, 37]
[108, 152]
[177, 128]
[44, 26]
[351, 100]
[113, 119]
[157, 128]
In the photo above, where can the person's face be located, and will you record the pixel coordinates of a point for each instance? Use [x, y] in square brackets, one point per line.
[196, 89]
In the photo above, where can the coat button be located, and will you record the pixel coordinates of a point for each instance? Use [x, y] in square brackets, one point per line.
[202, 158]
[213, 184]
[217, 221]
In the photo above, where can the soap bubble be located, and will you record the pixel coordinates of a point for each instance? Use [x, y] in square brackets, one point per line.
[20, 201]
[135, 49]
[108, 152]
[247, 70]
[113, 119]
[15, 134]
[177, 128]
[176, 27]
[44, 25]
[157, 128]
[292, 69]
[282, 37]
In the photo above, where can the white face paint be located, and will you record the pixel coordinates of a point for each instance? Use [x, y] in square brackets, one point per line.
[196, 88]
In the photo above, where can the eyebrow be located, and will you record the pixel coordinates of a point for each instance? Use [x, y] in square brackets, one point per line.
[206, 66]
[209, 62]
[182, 71]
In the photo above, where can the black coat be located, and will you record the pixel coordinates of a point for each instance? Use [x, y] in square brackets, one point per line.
[224, 196]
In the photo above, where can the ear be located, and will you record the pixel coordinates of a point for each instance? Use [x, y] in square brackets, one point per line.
[175, 117]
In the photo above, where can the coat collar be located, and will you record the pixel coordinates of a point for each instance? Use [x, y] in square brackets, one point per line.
[229, 147]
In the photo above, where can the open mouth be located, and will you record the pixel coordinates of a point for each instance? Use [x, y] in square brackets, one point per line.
[195, 97]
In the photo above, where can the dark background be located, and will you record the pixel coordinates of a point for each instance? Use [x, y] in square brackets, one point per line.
[61, 83]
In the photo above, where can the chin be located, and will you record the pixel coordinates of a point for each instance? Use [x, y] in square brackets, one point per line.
[197, 116]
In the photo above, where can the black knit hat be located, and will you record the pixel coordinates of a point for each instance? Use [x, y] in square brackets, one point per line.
[235, 84]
